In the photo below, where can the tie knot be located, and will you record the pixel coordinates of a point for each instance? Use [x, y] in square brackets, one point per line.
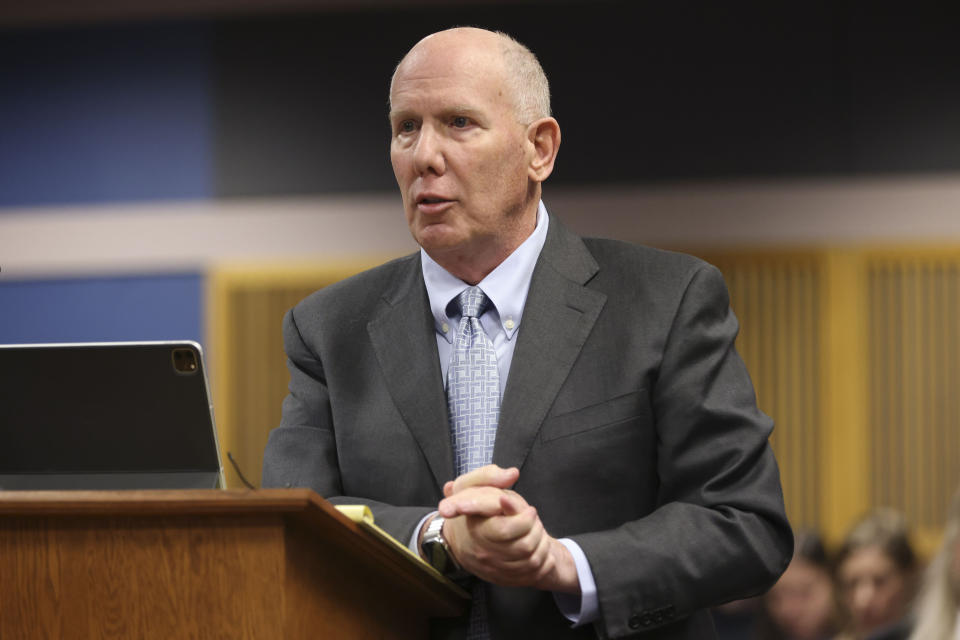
[473, 302]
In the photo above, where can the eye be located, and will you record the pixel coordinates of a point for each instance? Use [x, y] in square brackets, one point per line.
[460, 122]
[407, 126]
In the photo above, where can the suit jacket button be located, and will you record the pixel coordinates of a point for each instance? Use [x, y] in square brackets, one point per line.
[634, 622]
[658, 617]
[646, 620]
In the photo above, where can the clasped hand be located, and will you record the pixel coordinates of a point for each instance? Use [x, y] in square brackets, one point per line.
[495, 535]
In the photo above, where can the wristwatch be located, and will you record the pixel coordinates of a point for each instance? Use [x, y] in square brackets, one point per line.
[436, 551]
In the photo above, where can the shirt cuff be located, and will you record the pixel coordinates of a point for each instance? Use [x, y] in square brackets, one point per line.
[585, 608]
[414, 539]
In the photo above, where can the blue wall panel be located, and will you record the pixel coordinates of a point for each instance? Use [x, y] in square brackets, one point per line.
[105, 114]
[150, 307]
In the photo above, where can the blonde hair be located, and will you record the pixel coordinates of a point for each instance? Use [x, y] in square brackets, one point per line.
[939, 602]
[884, 528]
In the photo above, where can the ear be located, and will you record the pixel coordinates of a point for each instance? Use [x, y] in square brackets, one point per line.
[543, 136]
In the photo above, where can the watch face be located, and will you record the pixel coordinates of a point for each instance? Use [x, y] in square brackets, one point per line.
[434, 546]
[436, 555]
[436, 552]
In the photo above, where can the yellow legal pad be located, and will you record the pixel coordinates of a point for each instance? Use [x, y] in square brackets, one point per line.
[361, 514]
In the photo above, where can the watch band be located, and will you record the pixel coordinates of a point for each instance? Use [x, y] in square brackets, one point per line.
[436, 550]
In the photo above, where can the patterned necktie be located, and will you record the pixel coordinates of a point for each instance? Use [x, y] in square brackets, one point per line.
[473, 400]
[473, 386]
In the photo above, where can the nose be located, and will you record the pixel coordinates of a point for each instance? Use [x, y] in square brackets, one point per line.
[428, 152]
[863, 595]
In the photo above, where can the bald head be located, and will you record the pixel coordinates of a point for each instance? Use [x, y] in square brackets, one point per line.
[521, 73]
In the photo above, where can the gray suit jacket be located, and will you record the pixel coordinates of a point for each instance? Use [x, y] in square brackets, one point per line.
[627, 410]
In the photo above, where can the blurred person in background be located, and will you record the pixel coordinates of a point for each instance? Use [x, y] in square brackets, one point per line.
[737, 620]
[801, 605]
[938, 610]
[875, 571]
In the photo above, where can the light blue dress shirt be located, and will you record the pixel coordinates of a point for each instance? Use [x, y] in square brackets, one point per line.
[506, 287]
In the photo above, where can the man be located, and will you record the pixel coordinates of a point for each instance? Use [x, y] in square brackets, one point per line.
[608, 473]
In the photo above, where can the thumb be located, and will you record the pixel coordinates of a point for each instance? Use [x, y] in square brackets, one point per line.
[487, 476]
[512, 504]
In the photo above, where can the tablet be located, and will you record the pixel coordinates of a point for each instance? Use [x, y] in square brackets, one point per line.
[120, 415]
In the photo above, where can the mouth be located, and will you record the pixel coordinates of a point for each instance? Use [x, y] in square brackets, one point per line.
[432, 200]
[431, 203]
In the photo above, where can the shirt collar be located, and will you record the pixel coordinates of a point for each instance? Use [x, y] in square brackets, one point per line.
[506, 286]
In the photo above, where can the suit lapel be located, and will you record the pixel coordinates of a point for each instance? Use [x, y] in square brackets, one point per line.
[558, 316]
[405, 346]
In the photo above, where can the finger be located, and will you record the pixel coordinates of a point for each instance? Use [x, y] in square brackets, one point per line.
[534, 563]
[528, 571]
[475, 501]
[478, 501]
[490, 475]
[512, 503]
[522, 543]
[448, 488]
[532, 566]
[504, 529]
[523, 562]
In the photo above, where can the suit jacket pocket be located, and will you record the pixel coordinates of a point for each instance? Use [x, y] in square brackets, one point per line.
[619, 409]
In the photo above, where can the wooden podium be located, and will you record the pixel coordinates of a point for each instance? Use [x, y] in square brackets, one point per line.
[275, 563]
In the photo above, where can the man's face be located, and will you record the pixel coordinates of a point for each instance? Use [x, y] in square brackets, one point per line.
[458, 152]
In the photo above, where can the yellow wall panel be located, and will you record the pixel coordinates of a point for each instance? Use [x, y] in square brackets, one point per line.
[914, 320]
[853, 351]
[777, 297]
[246, 304]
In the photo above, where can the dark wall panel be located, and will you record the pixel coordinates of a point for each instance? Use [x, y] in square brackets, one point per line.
[301, 104]
[296, 104]
[903, 79]
[103, 114]
[643, 91]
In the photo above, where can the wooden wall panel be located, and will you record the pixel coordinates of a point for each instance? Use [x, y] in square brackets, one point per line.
[248, 364]
[854, 353]
[776, 297]
[913, 409]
